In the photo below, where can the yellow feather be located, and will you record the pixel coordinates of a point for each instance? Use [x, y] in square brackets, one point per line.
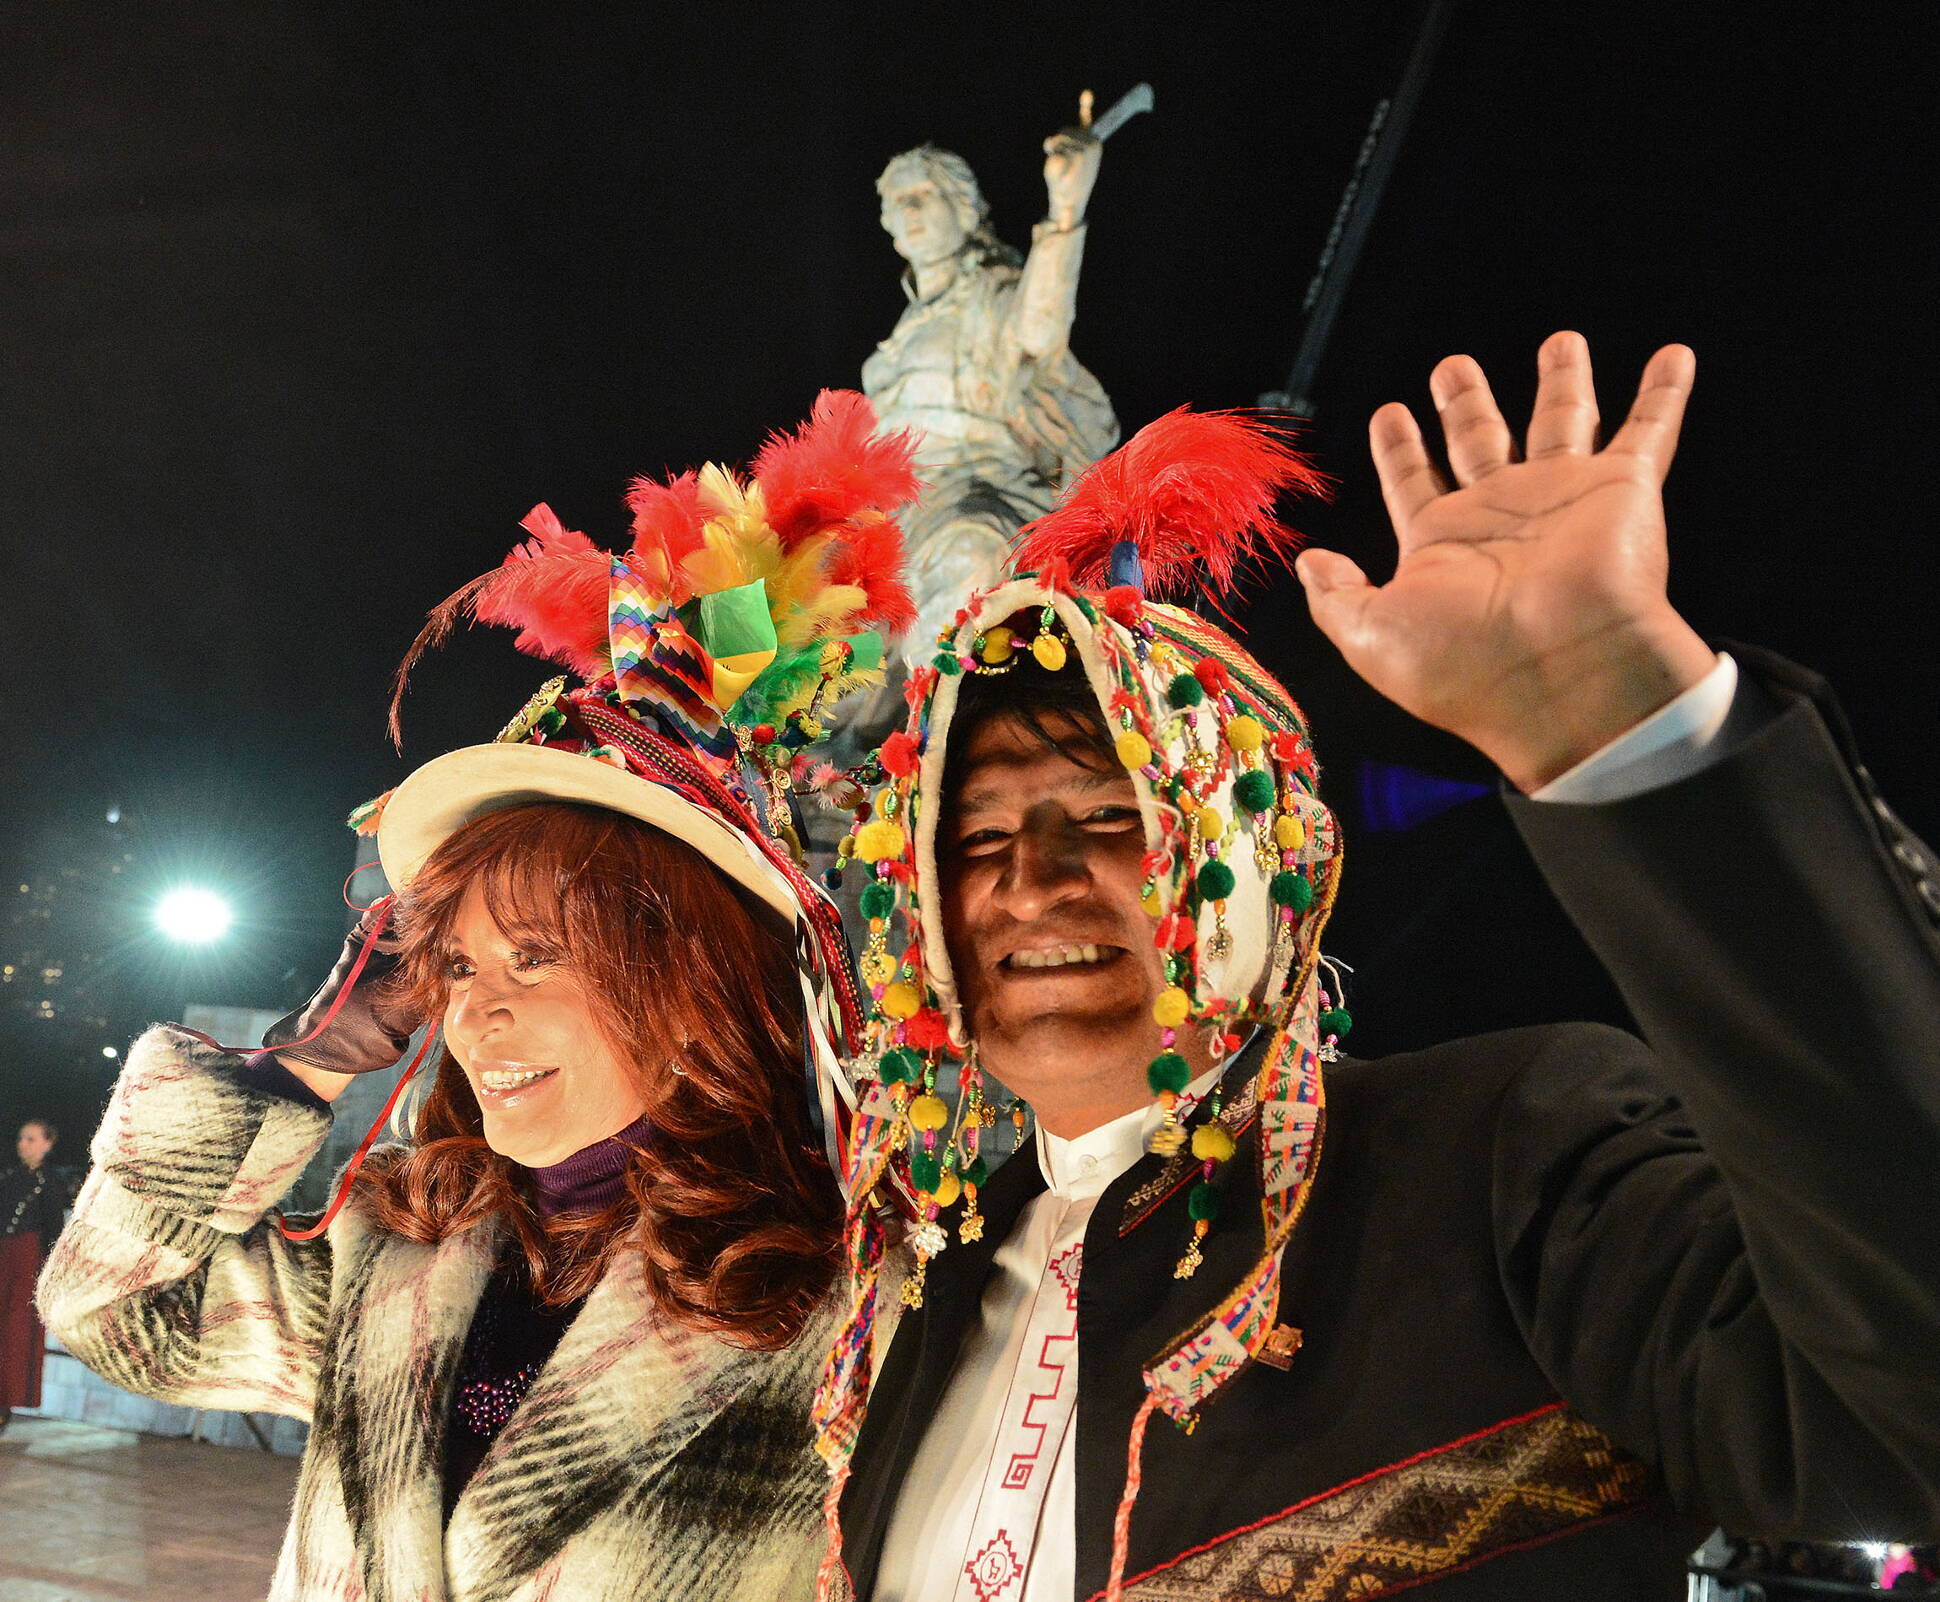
[739, 546]
[824, 613]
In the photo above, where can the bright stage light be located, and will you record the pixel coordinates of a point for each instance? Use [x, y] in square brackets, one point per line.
[193, 917]
[110, 1052]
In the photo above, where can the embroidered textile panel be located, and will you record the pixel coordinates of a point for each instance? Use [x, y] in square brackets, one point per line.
[1520, 1482]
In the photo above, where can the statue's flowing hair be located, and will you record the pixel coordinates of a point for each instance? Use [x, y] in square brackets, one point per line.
[952, 175]
[728, 1201]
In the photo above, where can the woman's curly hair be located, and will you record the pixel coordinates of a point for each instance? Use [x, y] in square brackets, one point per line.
[729, 1200]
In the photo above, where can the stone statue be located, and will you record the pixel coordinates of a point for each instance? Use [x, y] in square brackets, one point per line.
[980, 366]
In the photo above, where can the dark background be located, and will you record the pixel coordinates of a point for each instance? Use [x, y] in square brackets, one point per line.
[303, 305]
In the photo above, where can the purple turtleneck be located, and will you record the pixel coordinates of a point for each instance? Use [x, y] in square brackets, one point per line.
[512, 1333]
[589, 1179]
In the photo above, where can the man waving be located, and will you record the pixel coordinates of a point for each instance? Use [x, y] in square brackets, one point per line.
[1519, 1316]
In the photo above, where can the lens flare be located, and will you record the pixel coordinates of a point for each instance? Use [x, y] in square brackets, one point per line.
[193, 917]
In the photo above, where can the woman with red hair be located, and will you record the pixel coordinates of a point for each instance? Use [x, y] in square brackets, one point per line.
[561, 1343]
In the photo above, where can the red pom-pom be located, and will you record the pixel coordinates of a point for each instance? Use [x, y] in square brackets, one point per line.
[762, 734]
[1155, 862]
[927, 1031]
[1285, 747]
[1122, 603]
[898, 754]
[1212, 675]
[1176, 932]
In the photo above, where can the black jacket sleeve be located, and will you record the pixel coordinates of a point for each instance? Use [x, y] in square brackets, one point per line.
[1726, 1251]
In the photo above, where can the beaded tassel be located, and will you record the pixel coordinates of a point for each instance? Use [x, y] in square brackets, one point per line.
[1212, 1145]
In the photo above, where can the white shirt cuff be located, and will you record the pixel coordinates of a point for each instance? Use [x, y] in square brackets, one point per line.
[1678, 739]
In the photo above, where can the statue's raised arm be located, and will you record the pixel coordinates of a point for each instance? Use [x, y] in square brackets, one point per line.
[1047, 296]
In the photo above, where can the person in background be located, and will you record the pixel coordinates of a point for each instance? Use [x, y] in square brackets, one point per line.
[33, 1200]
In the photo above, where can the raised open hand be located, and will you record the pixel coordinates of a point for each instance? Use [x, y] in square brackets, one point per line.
[1527, 612]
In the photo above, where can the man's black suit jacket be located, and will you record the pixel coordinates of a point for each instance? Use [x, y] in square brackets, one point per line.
[1567, 1300]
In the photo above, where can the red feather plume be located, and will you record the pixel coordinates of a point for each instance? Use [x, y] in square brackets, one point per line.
[667, 523]
[834, 467]
[552, 589]
[1194, 491]
[868, 553]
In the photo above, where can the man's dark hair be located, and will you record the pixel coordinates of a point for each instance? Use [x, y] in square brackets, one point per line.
[1058, 709]
[45, 1126]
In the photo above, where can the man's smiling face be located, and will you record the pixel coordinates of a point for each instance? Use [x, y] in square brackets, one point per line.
[1041, 858]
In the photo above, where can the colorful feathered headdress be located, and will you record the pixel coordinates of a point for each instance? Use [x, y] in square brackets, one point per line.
[1241, 864]
[741, 605]
[712, 652]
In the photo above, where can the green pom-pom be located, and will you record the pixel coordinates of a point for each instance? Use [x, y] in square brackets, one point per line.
[1185, 691]
[1202, 1202]
[946, 663]
[925, 1170]
[1335, 1021]
[878, 901]
[1289, 889]
[1169, 1071]
[901, 1066]
[1215, 881]
[977, 1173]
[1253, 790]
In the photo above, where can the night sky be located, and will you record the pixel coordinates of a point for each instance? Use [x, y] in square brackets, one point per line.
[303, 306]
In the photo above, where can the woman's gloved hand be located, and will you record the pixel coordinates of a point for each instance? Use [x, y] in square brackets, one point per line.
[370, 1031]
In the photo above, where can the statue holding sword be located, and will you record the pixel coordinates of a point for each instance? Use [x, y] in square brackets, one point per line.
[980, 364]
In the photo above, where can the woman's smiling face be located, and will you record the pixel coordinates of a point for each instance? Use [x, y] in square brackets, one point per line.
[522, 1026]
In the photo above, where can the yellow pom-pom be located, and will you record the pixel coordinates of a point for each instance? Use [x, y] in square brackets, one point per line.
[948, 1188]
[1211, 1144]
[1134, 750]
[880, 840]
[878, 967]
[1154, 903]
[900, 1001]
[998, 645]
[929, 1112]
[1172, 1008]
[1289, 833]
[1244, 733]
[1211, 825]
[1049, 651]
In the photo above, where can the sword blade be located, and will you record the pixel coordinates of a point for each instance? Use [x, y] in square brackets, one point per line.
[1127, 106]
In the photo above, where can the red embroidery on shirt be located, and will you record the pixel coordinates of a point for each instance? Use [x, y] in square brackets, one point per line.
[993, 1569]
[1018, 1474]
[1066, 1266]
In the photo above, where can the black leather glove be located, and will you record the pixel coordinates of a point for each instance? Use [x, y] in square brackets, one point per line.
[370, 1032]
